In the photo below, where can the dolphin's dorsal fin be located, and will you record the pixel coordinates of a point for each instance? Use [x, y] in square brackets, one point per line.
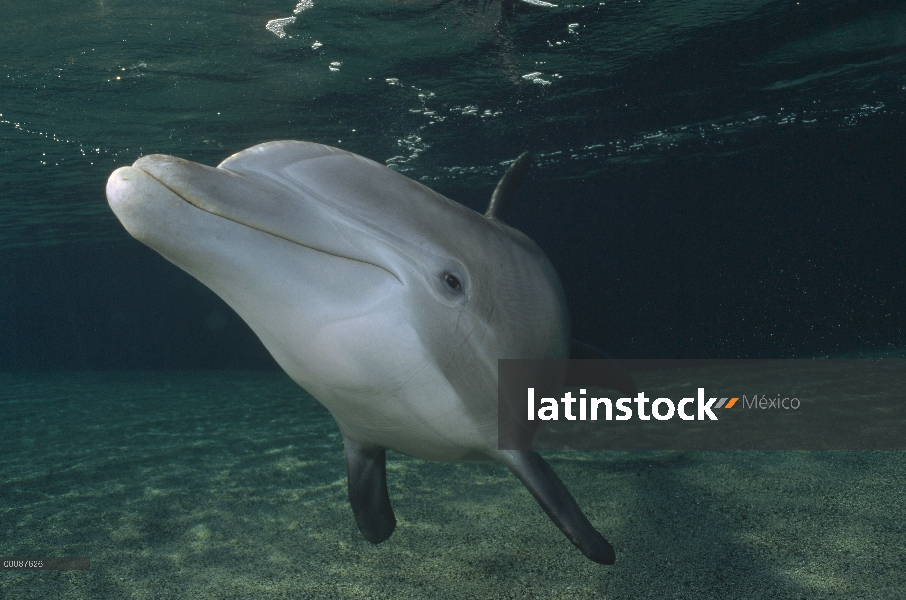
[503, 193]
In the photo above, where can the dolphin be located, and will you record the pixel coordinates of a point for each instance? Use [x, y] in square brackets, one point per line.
[388, 302]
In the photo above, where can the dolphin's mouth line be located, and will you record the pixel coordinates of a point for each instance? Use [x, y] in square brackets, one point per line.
[265, 231]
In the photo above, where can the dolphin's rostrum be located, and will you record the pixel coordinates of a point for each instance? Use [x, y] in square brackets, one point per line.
[388, 302]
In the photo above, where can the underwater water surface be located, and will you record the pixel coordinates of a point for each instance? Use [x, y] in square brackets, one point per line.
[711, 180]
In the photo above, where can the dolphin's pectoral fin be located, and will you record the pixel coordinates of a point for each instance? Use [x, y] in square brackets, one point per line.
[367, 467]
[558, 503]
[610, 374]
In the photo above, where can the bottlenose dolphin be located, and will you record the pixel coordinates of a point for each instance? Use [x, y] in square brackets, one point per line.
[386, 301]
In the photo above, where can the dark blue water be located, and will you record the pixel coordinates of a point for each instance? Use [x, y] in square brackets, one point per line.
[713, 179]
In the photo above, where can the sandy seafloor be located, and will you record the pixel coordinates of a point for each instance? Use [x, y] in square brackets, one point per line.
[233, 485]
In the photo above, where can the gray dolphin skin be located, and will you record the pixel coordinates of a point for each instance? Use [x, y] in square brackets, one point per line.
[386, 301]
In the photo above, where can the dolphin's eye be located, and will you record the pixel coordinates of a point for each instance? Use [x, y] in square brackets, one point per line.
[452, 282]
